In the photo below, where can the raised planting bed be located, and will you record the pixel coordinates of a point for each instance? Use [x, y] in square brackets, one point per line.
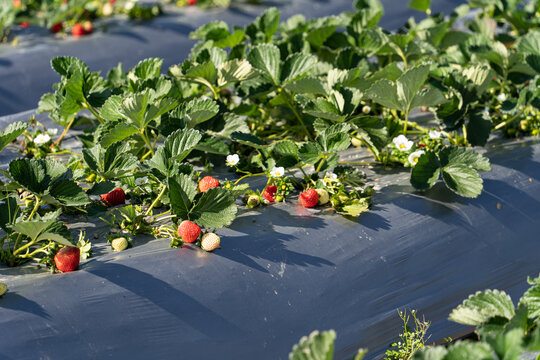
[284, 271]
[345, 171]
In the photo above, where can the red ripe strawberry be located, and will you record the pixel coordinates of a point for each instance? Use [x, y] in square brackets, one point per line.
[189, 231]
[269, 193]
[208, 182]
[192, 2]
[112, 1]
[56, 28]
[77, 30]
[309, 198]
[67, 258]
[88, 27]
[25, 24]
[17, 3]
[115, 197]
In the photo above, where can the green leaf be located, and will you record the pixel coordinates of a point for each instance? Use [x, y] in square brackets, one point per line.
[426, 172]
[410, 83]
[180, 143]
[462, 180]
[63, 64]
[316, 346]
[111, 108]
[204, 73]
[56, 238]
[247, 139]
[323, 109]
[146, 69]
[118, 131]
[373, 130]
[268, 22]
[47, 103]
[211, 31]
[384, 92]
[134, 108]
[307, 86]
[531, 298]
[215, 209]
[37, 175]
[285, 147]
[428, 98]
[232, 40]
[478, 128]
[102, 188]
[159, 108]
[213, 145]
[182, 191]
[234, 71]
[507, 345]
[296, 66]
[482, 306]
[196, 111]
[469, 351]
[420, 5]
[309, 153]
[462, 156]
[118, 161]
[334, 138]
[534, 62]
[355, 207]
[430, 353]
[266, 58]
[530, 43]
[33, 228]
[68, 193]
[11, 132]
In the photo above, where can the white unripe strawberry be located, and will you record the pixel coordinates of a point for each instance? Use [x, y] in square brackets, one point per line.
[210, 242]
[119, 244]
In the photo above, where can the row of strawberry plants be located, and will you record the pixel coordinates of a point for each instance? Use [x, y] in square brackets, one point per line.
[502, 331]
[63, 16]
[77, 16]
[276, 100]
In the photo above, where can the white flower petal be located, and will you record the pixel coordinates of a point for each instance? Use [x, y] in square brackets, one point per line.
[413, 157]
[232, 160]
[42, 139]
[434, 134]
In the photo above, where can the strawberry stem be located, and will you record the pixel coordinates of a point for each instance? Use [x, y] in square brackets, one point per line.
[163, 188]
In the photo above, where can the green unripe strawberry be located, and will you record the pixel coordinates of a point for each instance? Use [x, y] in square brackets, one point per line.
[3, 288]
[253, 201]
[279, 198]
[324, 198]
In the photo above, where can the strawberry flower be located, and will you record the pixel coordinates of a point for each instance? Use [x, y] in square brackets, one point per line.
[232, 160]
[434, 134]
[402, 143]
[42, 139]
[277, 172]
[330, 176]
[413, 157]
[501, 97]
